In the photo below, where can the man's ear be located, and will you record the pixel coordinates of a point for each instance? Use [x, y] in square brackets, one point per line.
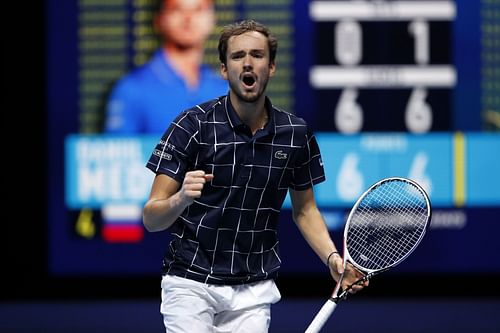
[272, 69]
[223, 71]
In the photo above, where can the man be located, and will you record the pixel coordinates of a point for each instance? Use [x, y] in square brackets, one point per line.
[223, 169]
[148, 99]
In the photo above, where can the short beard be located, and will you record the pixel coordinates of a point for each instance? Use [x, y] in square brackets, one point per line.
[245, 99]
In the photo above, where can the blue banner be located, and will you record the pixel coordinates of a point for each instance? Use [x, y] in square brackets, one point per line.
[455, 170]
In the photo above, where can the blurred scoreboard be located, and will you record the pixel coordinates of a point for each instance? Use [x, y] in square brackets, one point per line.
[391, 88]
[383, 65]
[451, 167]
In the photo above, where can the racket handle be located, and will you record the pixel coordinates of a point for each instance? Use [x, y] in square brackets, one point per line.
[321, 317]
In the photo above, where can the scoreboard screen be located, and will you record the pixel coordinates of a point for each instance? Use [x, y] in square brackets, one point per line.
[383, 66]
[391, 88]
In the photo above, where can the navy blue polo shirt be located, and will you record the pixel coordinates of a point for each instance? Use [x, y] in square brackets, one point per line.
[229, 234]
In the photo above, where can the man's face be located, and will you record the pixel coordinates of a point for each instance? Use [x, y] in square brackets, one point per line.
[248, 66]
[186, 23]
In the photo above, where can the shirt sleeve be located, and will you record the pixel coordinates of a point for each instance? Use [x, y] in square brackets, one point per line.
[308, 170]
[173, 153]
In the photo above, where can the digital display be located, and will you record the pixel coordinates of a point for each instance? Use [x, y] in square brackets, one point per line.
[454, 169]
[391, 88]
[383, 65]
[115, 36]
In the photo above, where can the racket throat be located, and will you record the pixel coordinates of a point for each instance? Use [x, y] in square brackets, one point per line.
[336, 299]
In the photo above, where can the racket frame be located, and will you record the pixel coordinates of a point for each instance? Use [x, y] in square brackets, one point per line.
[330, 305]
[370, 272]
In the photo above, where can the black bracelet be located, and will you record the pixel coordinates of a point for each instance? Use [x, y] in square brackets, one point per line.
[328, 258]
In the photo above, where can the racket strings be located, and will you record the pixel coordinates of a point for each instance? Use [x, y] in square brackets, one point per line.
[386, 225]
[391, 252]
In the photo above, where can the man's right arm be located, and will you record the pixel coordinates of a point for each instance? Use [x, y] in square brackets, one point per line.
[167, 202]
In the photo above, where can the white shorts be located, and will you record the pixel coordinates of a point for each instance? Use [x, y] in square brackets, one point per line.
[189, 306]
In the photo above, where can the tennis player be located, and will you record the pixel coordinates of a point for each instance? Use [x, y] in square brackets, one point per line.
[223, 169]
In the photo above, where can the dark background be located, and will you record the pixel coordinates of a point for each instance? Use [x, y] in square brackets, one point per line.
[25, 268]
[32, 300]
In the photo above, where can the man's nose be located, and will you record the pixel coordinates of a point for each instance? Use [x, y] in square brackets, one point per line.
[247, 62]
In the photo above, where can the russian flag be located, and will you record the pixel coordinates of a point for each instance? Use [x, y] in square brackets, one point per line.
[122, 223]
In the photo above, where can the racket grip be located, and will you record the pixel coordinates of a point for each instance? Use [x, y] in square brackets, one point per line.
[321, 317]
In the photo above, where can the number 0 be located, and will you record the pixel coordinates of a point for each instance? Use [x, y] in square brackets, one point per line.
[348, 42]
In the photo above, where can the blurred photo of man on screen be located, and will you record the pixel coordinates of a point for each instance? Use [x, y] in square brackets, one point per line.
[147, 99]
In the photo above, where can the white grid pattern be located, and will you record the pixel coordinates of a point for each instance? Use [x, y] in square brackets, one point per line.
[229, 235]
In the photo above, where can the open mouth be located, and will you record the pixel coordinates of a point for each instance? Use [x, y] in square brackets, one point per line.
[248, 80]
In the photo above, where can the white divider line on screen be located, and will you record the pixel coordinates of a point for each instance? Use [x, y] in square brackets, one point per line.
[382, 76]
[382, 10]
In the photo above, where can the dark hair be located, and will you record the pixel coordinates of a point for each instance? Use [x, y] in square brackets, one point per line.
[240, 28]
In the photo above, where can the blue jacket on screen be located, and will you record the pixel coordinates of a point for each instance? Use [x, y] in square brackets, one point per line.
[147, 99]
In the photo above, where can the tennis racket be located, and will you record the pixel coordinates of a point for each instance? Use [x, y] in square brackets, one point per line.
[384, 226]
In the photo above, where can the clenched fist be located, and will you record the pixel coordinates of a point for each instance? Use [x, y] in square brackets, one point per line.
[193, 184]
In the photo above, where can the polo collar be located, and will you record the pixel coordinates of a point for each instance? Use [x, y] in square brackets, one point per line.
[235, 121]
